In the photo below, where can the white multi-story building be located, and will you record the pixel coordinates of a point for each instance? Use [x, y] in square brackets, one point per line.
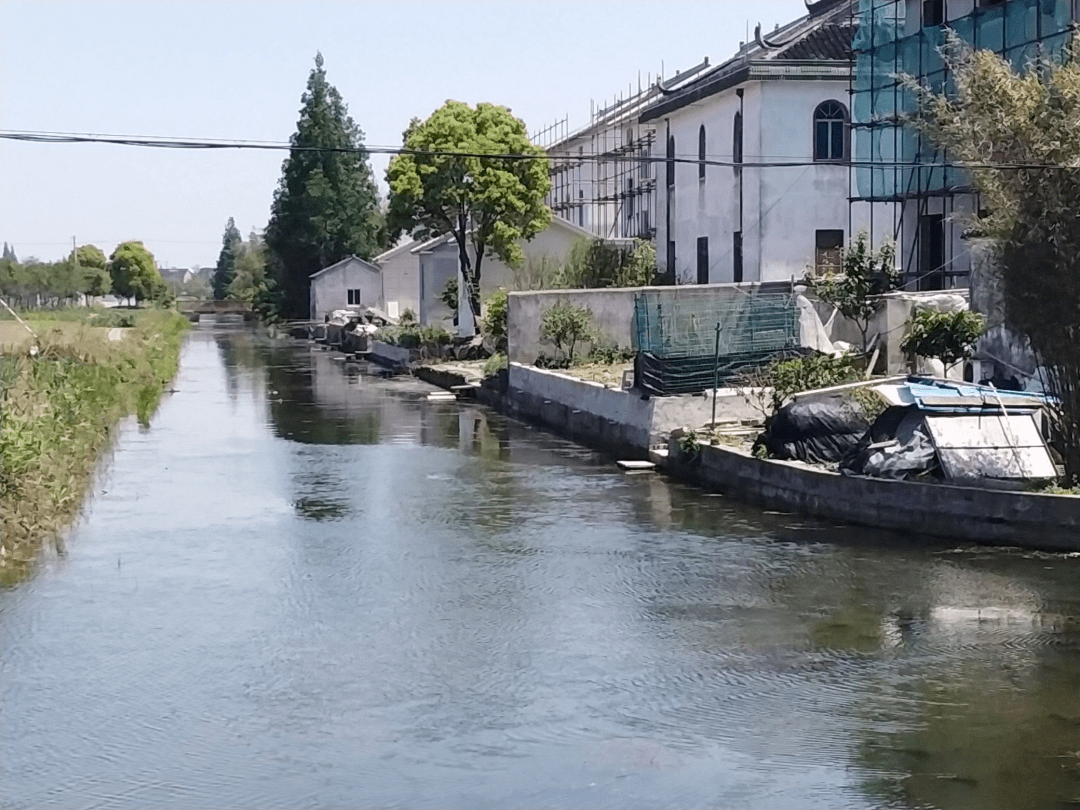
[753, 157]
[602, 175]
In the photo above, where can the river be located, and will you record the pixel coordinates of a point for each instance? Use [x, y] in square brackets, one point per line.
[306, 586]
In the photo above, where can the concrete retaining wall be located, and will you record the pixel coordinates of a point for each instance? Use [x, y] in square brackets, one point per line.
[1049, 522]
[610, 418]
[612, 309]
[613, 316]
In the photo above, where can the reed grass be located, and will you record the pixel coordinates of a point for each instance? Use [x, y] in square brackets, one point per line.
[59, 408]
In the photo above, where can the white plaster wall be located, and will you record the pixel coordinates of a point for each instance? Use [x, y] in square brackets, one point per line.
[330, 291]
[782, 207]
[401, 280]
[612, 310]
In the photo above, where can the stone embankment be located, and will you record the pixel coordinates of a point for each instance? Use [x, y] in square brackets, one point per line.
[634, 426]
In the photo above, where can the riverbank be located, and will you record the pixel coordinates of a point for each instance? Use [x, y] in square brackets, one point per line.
[641, 427]
[60, 403]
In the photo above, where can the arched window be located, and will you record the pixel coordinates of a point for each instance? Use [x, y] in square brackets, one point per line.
[830, 131]
[671, 161]
[701, 153]
[736, 139]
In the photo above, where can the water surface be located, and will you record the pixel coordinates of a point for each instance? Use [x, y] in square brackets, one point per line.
[307, 586]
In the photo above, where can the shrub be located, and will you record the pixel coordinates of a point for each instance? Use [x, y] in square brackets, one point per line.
[407, 317]
[609, 354]
[566, 325]
[769, 387]
[495, 320]
[946, 336]
[496, 363]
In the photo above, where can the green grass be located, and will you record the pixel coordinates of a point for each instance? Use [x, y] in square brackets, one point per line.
[59, 409]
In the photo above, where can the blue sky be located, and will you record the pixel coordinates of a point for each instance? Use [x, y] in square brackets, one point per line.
[237, 70]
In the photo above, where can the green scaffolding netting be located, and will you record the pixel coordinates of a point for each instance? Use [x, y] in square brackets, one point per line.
[685, 343]
[887, 47]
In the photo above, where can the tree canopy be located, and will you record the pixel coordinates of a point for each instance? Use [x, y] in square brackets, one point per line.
[94, 268]
[134, 272]
[490, 202]
[1016, 134]
[225, 271]
[326, 206]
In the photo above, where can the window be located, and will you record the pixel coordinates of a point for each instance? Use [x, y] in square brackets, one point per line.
[828, 249]
[830, 131]
[354, 297]
[671, 161]
[736, 254]
[703, 260]
[931, 252]
[737, 139]
[933, 12]
[701, 153]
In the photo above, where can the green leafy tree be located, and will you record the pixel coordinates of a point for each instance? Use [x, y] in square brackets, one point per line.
[251, 270]
[865, 273]
[94, 267]
[948, 336]
[134, 272]
[9, 254]
[1016, 134]
[198, 286]
[596, 263]
[326, 206]
[225, 271]
[444, 184]
[566, 325]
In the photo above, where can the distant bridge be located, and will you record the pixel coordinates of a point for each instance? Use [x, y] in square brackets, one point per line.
[195, 309]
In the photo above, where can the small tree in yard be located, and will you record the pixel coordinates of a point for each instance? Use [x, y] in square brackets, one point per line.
[946, 336]
[566, 325]
[1016, 134]
[864, 275]
[495, 319]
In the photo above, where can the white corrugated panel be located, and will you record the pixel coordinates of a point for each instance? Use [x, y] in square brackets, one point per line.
[990, 446]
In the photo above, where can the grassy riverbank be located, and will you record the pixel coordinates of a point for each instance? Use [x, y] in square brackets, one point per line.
[60, 407]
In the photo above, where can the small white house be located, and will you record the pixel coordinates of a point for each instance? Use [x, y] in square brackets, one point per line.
[351, 283]
[415, 274]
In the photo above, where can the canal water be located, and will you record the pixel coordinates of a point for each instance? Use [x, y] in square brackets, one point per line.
[305, 586]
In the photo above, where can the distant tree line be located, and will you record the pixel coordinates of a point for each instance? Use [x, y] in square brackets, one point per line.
[129, 273]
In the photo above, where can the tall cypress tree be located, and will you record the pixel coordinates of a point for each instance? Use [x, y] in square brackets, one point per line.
[326, 205]
[225, 271]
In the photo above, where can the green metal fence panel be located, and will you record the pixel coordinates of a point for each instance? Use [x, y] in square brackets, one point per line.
[677, 338]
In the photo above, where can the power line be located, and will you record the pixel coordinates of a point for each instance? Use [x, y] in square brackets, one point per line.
[155, 142]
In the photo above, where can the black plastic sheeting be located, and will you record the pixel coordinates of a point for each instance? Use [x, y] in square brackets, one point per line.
[817, 429]
[897, 447]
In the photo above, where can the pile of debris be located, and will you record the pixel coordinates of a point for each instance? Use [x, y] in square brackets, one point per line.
[350, 330]
[927, 428]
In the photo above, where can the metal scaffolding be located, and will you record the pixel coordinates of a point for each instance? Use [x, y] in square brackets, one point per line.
[896, 163]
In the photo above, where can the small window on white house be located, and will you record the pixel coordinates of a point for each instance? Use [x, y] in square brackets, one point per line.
[701, 153]
[354, 297]
[828, 251]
